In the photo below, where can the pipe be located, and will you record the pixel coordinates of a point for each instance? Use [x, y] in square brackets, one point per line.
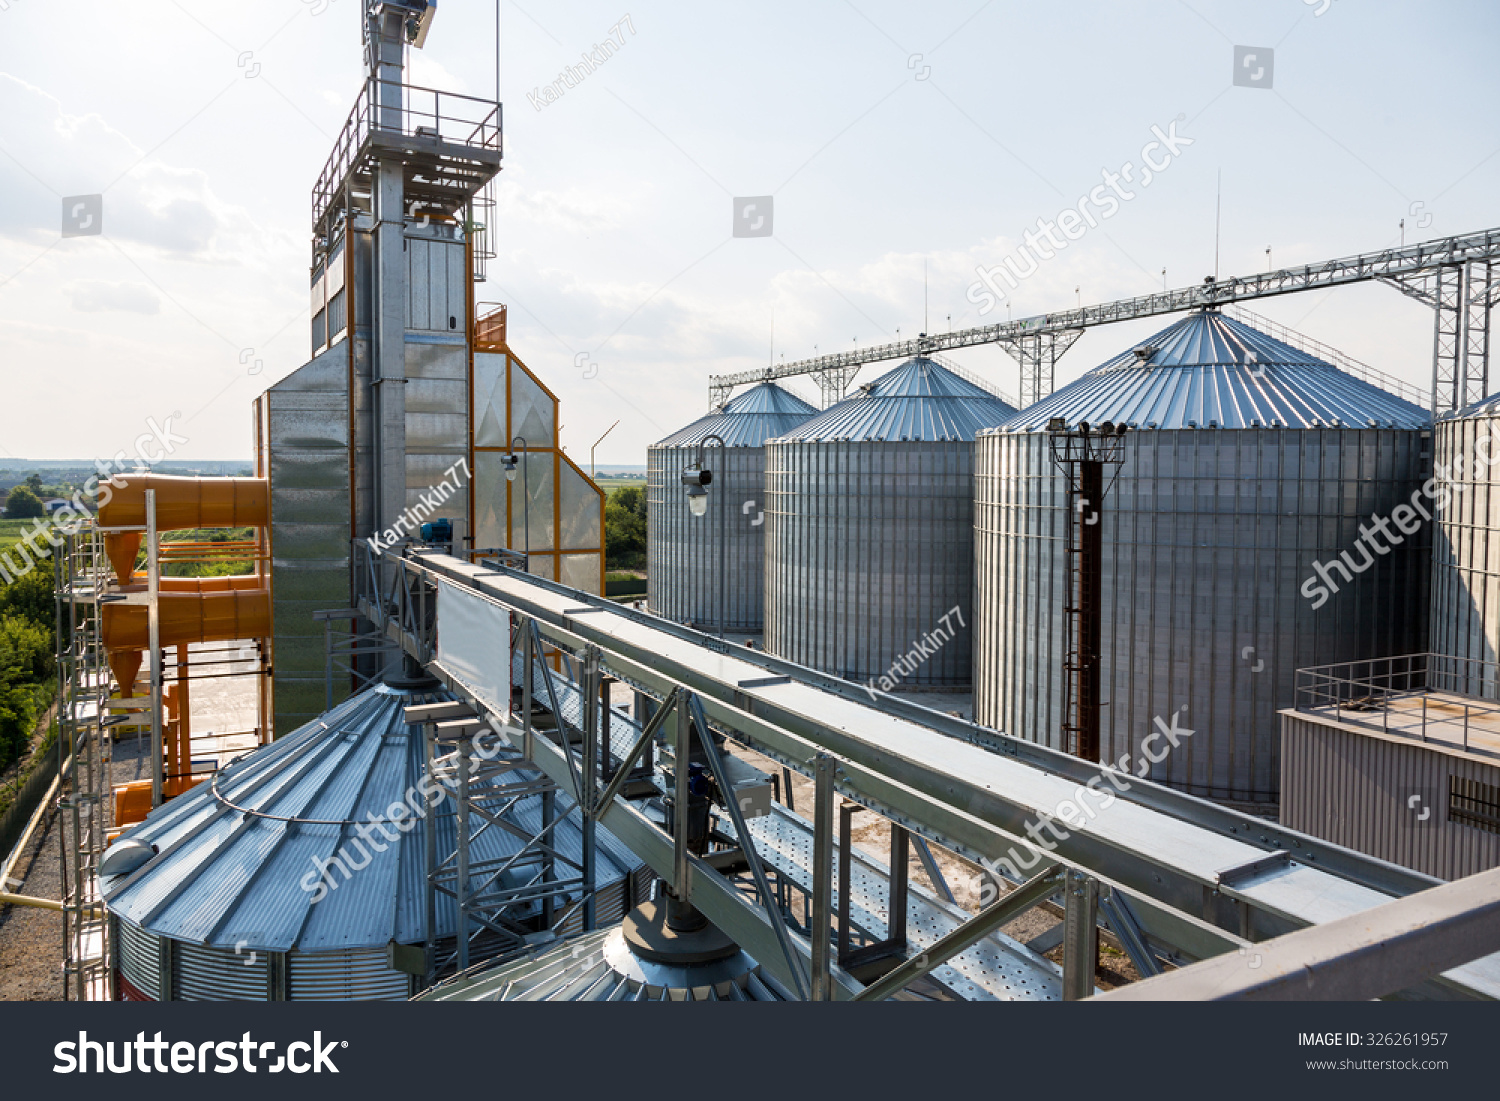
[186, 617]
[180, 503]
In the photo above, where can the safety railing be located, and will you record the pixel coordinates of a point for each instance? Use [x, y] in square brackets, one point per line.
[1348, 364]
[414, 112]
[1399, 692]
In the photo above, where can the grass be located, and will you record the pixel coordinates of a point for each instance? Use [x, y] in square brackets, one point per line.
[12, 530]
[610, 484]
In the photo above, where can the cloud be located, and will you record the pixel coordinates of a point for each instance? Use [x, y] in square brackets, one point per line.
[147, 201]
[95, 296]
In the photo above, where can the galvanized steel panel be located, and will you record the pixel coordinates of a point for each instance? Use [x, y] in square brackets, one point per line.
[1466, 545]
[139, 958]
[225, 877]
[353, 975]
[1211, 371]
[919, 400]
[214, 975]
[533, 413]
[1354, 789]
[683, 551]
[490, 371]
[1209, 536]
[869, 546]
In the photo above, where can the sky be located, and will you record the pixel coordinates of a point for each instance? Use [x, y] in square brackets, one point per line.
[894, 140]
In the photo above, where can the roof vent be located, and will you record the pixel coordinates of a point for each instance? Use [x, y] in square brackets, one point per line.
[1145, 353]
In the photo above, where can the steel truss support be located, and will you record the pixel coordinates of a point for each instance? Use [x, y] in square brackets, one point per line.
[1080, 934]
[1038, 353]
[345, 649]
[833, 382]
[1406, 267]
[1460, 295]
[1479, 290]
[80, 573]
[483, 784]
[1003, 910]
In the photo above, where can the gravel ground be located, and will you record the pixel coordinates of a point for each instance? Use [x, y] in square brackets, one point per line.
[31, 940]
[31, 944]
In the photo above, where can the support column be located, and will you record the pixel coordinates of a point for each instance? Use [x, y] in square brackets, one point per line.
[1478, 288]
[1448, 340]
[1080, 935]
[822, 878]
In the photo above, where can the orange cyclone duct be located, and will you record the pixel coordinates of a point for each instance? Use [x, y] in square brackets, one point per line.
[186, 617]
[180, 503]
[233, 583]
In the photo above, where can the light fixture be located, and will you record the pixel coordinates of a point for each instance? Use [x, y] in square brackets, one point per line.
[696, 479]
[510, 467]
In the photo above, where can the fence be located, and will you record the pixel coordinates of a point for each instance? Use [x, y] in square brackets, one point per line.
[13, 821]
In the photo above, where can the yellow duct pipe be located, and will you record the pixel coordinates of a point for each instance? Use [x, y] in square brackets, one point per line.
[180, 503]
[185, 618]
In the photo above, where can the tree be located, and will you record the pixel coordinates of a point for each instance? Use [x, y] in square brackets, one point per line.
[625, 528]
[34, 483]
[23, 504]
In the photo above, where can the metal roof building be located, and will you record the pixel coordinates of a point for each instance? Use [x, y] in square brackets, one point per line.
[230, 906]
[869, 530]
[683, 551]
[1250, 467]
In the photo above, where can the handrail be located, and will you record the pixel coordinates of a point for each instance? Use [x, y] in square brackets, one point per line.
[1376, 685]
[480, 127]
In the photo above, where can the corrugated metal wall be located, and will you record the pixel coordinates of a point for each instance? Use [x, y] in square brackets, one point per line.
[201, 974]
[682, 563]
[306, 425]
[1209, 536]
[1466, 549]
[1357, 790]
[868, 546]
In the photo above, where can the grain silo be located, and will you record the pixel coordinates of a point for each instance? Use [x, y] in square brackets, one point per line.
[279, 879]
[683, 555]
[1246, 536]
[1466, 541]
[869, 532]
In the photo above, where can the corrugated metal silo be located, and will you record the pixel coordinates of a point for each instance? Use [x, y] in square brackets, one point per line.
[682, 566]
[1249, 465]
[869, 534]
[1466, 545]
[230, 906]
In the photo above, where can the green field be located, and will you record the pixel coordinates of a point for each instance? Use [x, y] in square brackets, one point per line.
[610, 484]
[12, 530]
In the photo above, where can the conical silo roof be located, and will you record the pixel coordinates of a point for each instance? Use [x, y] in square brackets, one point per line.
[236, 860]
[1485, 407]
[919, 400]
[1208, 370]
[761, 413]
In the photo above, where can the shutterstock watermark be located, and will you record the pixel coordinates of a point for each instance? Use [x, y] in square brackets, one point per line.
[36, 545]
[1378, 540]
[918, 654]
[85, 1056]
[356, 854]
[410, 521]
[1045, 830]
[547, 94]
[1100, 204]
